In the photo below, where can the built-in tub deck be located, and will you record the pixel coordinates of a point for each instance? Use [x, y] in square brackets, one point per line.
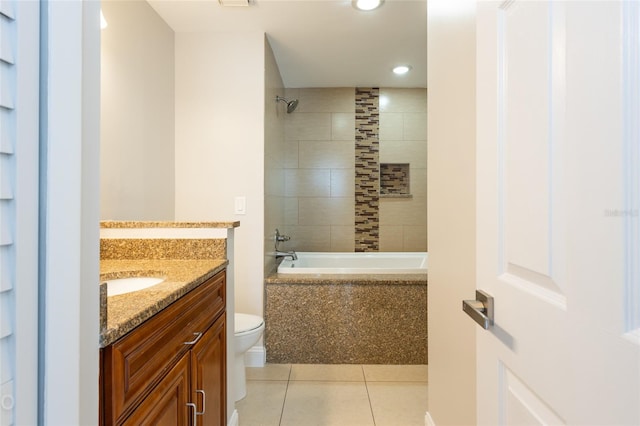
[369, 263]
[346, 318]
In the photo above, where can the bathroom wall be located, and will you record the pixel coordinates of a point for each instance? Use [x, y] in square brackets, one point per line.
[403, 140]
[320, 169]
[452, 207]
[137, 114]
[274, 157]
[220, 144]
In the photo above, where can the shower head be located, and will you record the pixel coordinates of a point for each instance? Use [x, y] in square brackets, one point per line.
[291, 105]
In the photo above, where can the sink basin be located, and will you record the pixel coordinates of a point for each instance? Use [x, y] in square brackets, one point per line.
[131, 284]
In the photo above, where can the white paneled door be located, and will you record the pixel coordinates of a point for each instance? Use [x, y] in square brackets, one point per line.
[558, 187]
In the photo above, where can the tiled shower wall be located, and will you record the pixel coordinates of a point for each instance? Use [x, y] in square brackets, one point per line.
[403, 139]
[320, 212]
[319, 170]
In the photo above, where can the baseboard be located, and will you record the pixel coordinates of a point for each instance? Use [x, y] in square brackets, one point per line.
[428, 421]
[233, 421]
[255, 357]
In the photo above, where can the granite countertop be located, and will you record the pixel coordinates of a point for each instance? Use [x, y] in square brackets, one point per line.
[416, 279]
[125, 312]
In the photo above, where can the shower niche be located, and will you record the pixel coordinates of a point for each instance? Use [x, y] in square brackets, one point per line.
[395, 180]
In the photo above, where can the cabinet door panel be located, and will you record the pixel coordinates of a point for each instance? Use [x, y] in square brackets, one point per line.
[208, 366]
[167, 404]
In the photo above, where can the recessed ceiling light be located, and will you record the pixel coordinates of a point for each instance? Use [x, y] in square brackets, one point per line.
[367, 5]
[401, 69]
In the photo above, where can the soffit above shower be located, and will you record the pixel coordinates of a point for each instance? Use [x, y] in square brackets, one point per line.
[321, 43]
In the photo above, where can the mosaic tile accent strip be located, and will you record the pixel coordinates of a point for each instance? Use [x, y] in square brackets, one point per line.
[394, 179]
[367, 164]
[126, 248]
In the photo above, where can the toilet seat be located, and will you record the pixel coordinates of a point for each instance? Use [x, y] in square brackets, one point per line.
[245, 323]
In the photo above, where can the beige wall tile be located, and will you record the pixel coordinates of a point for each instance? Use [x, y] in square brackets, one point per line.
[274, 181]
[412, 152]
[307, 182]
[290, 154]
[415, 238]
[403, 211]
[343, 182]
[391, 238]
[343, 126]
[291, 211]
[308, 126]
[326, 155]
[326, 211]
[341, 99]
[418, 184]
[403, 100]
[391, 126]
[415, 126]
[343, 238]
[290, 93]
[309, 238]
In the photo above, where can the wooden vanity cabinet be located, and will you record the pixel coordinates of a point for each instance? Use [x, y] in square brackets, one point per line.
[171, 370]
[167, 404]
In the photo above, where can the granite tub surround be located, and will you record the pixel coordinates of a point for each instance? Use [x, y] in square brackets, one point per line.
[121, 314]
[360, 319]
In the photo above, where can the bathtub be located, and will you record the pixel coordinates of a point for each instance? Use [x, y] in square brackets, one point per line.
[355, 263]
[348, 308]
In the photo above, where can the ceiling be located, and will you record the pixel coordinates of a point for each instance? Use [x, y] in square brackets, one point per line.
[321, 43]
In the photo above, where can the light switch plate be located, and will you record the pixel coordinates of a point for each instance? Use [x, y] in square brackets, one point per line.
[240, 205]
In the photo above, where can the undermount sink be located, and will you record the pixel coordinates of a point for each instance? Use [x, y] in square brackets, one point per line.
[119, 286]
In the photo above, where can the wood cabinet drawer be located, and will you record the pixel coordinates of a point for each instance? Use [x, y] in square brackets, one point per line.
[133, 365]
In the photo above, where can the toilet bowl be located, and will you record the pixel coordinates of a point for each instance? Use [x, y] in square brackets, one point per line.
[247, 332]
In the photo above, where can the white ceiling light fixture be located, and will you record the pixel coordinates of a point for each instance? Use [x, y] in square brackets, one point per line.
[367, 5]
[401, 69]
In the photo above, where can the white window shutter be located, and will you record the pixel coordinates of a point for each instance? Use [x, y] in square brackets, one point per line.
[19, 127]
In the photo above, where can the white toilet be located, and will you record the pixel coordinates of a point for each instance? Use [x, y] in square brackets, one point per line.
[247, 331]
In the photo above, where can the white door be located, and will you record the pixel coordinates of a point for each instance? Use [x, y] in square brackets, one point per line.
[558, 243]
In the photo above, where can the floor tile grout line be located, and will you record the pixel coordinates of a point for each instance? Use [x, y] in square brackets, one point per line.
[366, 386]
[286, 390]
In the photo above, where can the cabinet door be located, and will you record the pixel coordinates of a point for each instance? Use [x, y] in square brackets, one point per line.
[167, 403]
[208, 375]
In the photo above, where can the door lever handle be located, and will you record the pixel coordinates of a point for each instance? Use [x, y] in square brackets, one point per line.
[480, 309]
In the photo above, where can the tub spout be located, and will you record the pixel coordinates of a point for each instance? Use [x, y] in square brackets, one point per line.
[285, 254]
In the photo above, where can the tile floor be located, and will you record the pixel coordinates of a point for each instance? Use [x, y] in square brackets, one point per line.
[334, 395]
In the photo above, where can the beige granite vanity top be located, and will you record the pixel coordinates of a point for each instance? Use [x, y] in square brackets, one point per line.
[151, 224]
[121, 314]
